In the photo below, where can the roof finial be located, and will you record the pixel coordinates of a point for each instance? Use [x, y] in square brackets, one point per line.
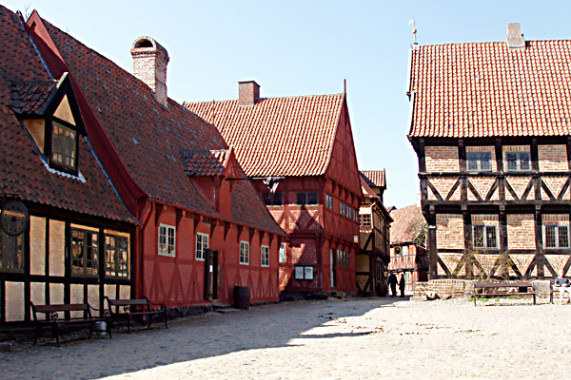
[345, 86]
[413, 23]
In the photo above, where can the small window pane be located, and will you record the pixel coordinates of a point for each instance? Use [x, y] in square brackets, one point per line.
[511, 159]
[486, 161]
[283, 253]
[301, 198]
[550, 239]
[563, 237]
[491, 237]
[524, 160]
[478, 236]
[311, 198]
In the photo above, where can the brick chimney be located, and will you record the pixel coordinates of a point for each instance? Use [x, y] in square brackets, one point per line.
[514, 38]
[150, 61]
[249, 93]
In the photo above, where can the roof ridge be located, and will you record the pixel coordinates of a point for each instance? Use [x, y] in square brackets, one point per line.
[262, 98]
[488, 42]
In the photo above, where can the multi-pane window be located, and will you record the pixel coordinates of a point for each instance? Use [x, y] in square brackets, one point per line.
[167, 240]
[303, 272]
[518, 161]
[342, 208]
[244, 253]
[365, 220]
[201, 246]
[84, 252]
[116, 256]
[485, 237]
[329, 201]
[355, 215]
[63, 146]
[479, 161]
[348, 211]
[556, 236]
[282, 253]
[272, 199]
[11, 252]
[306, 198]
[265, 256]
[342, 258]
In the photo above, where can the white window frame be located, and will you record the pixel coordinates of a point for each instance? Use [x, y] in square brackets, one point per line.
[165, 249]
[282, 254]
[518, 161]
[478, 159]
[200, 254]
[244, 252]
[485, 240]
[265, 254]
[557, 230]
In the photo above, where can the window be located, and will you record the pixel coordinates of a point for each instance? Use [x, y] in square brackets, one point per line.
[265, 256]
[479, 161]
[355, 215]
[342, 258]
[329, 201]
[272, 199]
[365, 220]
[84, 252]
[244, 253]
[342, 208]
[11, 252]
[201, 246]
[304, 272]
[283, 258]
[116, 256]
[63, 147]
[307, 198]
[556, 236]
[518, 161]
[167, 240]
[485, 237]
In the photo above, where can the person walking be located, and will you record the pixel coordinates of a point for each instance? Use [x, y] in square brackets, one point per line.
[402, 284]
[393, 284]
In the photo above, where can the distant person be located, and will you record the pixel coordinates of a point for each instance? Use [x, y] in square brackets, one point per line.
[563, 284]
[393, 284]
[402, 284]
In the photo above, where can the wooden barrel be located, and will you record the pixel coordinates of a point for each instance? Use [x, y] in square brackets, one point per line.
[241, 297]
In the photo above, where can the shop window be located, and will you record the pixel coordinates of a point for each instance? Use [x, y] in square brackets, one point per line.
[11, 252]
[84, 252]
[116, 256]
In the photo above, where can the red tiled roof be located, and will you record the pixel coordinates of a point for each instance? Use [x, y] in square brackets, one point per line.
[374, 178]
[31, 97]
[149, 137]
[204, 162]
[406, 224]
[484, 89]
[290, 136]
[23, 170]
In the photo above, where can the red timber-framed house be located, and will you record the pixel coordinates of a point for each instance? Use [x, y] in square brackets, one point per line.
[374, 224]
[203, 230]
[491, 124]
[408, 244]
[66, 235]
[303, 148]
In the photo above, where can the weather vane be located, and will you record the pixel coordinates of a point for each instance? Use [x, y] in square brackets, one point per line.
[413, 23]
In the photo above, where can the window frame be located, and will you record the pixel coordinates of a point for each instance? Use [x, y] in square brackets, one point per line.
[342, 208]
[363, 220]
[485, 237]
[165, 252]
[284, 256]
[244, 252]
[202, 248]
[557, 236]
[478, 159]
[306, 195]
[329, 201]
[518, 161]
[304, 271]
[51, 124]
[267, 256]
[88, 270]
[118, 263]
[273, 199]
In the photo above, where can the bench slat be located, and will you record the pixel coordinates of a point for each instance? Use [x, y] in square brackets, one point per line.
[62, 307]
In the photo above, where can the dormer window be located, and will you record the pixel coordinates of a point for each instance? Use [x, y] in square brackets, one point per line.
[63, 154]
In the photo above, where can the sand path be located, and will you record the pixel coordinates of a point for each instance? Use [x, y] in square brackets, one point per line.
[334, 339]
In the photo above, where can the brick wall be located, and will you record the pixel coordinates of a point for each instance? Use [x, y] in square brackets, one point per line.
[442, 159]
[552, 158]
[521, 231]
[449, 231]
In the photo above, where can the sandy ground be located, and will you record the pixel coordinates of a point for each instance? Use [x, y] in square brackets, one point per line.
[334, 339]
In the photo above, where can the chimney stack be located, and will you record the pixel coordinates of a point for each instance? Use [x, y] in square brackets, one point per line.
[249, 93]
[150, 61]
[514, 38]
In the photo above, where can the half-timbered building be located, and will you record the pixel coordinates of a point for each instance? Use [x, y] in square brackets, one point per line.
[203, 231]
[374, 223]
[491, 124]
[65, 236]
[299, 151]
[408, 244]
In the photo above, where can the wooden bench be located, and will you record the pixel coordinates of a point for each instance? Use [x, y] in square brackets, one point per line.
[134, 308]
[52, 318]
[500, 285]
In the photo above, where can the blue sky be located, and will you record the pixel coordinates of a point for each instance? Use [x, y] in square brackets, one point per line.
[304, 47]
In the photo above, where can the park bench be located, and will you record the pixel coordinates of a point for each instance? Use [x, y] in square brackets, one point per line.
[54, 320]
[128, 310]
[492, 290]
